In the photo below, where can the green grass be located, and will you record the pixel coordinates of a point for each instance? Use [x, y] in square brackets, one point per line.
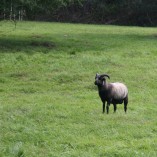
[49, 105]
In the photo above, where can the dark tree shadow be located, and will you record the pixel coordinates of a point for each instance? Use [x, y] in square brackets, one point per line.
[77, 43]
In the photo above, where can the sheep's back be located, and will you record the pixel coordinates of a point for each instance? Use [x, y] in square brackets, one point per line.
[119, 90]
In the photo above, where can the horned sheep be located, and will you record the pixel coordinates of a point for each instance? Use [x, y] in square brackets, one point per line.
[112, 93]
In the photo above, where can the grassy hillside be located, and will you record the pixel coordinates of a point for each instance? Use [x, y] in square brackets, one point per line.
[49, 105]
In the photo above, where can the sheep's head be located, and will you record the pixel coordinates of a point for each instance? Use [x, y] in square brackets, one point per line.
[100, 79]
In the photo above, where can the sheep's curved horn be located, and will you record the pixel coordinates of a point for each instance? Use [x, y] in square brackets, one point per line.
[105, 75]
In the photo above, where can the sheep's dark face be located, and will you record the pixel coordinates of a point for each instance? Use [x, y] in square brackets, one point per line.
[99, 80]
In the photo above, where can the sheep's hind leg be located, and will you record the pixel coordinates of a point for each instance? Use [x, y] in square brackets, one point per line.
[125, 103]
[103, 107]
[125, 107]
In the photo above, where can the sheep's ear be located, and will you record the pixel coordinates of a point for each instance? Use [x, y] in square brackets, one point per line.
[96, 75]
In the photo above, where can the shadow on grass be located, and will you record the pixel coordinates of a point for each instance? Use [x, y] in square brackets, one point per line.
[16, 44]
[72, 44]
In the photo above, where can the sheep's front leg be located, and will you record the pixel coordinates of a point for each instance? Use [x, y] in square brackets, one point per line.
[107, 107]
[103, 107]
[115, 107]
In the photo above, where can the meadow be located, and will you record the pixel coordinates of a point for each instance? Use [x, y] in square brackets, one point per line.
[49, 105]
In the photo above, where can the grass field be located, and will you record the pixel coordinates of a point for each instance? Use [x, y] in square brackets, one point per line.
[49, 106]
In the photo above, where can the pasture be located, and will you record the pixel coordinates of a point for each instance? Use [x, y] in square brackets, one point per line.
[49, 105]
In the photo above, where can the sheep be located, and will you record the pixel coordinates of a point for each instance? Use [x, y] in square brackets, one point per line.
[112, 93]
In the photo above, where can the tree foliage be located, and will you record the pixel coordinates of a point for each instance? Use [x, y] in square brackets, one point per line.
[133, 12]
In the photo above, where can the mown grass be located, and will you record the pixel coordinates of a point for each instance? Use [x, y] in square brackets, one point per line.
[49, 105]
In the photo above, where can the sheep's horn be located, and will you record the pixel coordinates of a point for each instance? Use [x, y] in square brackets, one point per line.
[105, 75]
